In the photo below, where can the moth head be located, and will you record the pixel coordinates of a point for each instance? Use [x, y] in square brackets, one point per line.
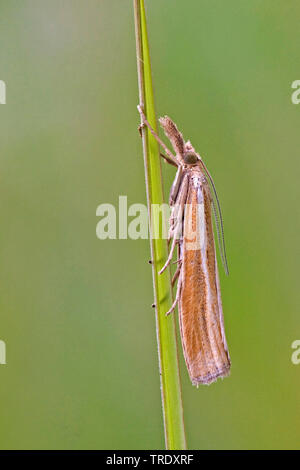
[190, 158]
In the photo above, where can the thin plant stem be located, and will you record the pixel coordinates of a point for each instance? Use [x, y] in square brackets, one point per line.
[165, 326]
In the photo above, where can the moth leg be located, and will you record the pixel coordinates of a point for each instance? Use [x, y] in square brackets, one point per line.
[171, 252]
[174, 232]
[176, 298]
[172, 224]
[167, 159]
[176, 275]
[176, 222]
[175, 186]
[140, 129]
[178, 192]
[179, 261]
[161, 143]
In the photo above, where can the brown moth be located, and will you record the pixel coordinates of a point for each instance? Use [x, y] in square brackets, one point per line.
[198, 295]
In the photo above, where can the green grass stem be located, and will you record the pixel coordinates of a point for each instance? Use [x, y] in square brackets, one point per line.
[165, 326]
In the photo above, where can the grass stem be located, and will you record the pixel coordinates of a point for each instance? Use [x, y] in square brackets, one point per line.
[165, 326]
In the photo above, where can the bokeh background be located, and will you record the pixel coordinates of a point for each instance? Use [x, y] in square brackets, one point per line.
[75, 312]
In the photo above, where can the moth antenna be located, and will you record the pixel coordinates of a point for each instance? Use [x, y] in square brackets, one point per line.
[219, 220]
[220, 236]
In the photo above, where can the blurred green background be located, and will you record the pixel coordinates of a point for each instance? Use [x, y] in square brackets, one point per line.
[75, 312]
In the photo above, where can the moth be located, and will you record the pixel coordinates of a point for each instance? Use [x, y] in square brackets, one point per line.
[193, 199]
